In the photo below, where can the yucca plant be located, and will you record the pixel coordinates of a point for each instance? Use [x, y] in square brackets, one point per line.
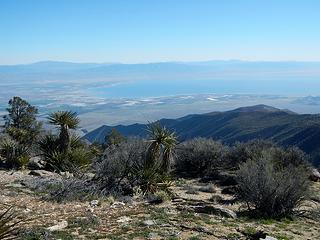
[50, 151]
[162, 144]
[78, 156]
[8, 224]
[65, 120]
[14, 154]
[76, 142]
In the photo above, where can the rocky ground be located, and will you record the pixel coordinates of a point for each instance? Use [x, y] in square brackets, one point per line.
[199, 211]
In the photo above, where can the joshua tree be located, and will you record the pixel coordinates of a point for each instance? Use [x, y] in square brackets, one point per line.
[160, 150]
[65, 120]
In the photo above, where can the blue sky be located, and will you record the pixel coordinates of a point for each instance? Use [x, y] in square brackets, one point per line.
[134, 31]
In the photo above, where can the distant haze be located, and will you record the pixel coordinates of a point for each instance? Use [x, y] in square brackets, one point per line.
[113, 93]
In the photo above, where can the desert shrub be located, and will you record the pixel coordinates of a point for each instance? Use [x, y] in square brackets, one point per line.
[64, 189]
[74, 189]
[158, 197]
[199, 156]
[292, 156]
[115, 169]
[271, 184]
[114, 138]
[123, 167]
[242, 151]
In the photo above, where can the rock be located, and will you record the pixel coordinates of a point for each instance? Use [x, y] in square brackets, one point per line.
[124, 219]
[27, 210]
[315, 175]
[268, 238]
[223, 212]
[15, 185]
[42, 173]
[66, 174]
[35, 164]
[60, 226]
[149, 223]
[117, 205]
[94, 203]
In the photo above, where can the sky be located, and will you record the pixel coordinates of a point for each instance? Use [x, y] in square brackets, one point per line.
[136, 31]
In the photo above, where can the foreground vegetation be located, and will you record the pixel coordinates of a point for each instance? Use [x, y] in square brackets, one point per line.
[200, 180]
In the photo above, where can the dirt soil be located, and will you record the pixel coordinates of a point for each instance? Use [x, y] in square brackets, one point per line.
[112, 219]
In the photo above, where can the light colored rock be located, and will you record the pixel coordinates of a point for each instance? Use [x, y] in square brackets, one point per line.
[117, 205]
[35, 163]
[315, 175]
[58, 227]
[124, 219]
[42, 173]
[149, 223]
[94, 203]
[66, 174]
[268, 238]
[210, 209]
[15, 185]
[27, 210]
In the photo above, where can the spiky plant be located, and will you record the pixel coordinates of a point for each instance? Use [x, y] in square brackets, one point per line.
[50, 151]
[15, 154]
[8, 224]
[56, 160]
[160, 151]
[65, 120]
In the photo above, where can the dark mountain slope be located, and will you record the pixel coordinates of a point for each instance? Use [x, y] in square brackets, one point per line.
[243, 124]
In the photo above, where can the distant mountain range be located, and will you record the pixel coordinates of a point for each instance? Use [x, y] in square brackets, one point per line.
[243, 124]
[68, 71]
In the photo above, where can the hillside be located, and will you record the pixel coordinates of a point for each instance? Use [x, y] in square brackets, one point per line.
[242, 124]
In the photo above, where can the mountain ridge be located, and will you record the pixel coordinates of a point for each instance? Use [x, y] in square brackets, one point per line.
[239, 125]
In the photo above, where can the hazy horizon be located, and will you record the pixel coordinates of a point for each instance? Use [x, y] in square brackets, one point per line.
[164, 61]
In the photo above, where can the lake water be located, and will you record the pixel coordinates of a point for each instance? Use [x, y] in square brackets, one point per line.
[153, 88]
